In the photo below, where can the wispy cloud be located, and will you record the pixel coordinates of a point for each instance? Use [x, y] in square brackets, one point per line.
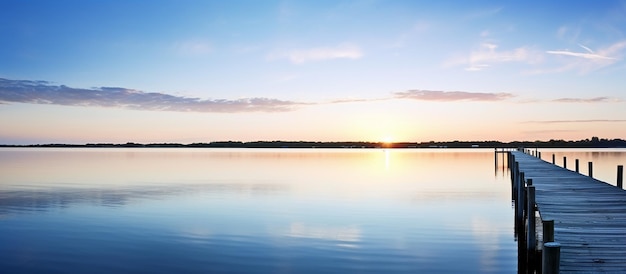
[588, 60]
[299, 56]
[580, 54]
[547, 133]
[587, 100]
[42, 92]
[488, 54]
[586, 48]
[576, 121]
[446, 96]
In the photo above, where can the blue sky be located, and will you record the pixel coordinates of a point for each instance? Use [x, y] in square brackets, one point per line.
[198, 71]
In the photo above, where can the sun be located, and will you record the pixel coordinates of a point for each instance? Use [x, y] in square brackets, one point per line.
[387, 139]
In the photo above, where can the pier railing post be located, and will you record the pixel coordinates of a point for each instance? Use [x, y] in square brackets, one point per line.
[577, 168]
[551, 258]
[620, 175]
[591, 169]
[519, 214]
[564, 162]
[531, 243]
[548, 231]
[549, 255]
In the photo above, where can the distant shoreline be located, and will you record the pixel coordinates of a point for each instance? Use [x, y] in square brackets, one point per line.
[587, 143]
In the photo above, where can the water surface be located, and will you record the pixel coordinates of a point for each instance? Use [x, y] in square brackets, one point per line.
[605, 160]
[254, 211]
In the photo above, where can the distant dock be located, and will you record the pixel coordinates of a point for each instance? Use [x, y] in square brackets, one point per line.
[566, 221]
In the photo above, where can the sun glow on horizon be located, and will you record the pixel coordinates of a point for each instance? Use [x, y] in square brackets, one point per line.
[388, 139]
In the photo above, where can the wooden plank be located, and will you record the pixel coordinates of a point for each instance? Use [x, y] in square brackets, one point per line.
[589, 216]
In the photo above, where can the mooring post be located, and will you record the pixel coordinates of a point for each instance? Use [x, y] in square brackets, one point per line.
[591, 169]
[620, 175]
[531, 243]
[551, 258]
[549, 254]
[512, 165]
[539, 154]
[564, 162]
[553, 159]
[519, 214]
[517, 171]
[577, 169]
[513, 186]
[508, 159]
[548, 231]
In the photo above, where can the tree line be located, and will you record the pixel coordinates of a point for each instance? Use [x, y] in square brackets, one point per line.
[594, 142]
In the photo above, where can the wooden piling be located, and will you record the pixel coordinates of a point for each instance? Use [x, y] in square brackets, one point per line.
[531, 241]
[577, 167]
[519, 214]
[620, 175]
[587, 218]
[553, 159]
[548, 230]
[590, 169]
[551, 258]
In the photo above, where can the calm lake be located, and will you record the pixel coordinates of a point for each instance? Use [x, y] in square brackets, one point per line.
[255, 211]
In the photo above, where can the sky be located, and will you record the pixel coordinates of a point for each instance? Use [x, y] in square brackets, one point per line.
[201, 71]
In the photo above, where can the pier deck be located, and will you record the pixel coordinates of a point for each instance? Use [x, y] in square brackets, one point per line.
[589, 216]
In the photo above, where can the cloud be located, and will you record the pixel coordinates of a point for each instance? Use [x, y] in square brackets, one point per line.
[343, 51]
[550, 131]
[587, 100]
[488, 54]
[580, 54]
[576, 121]
[589, 60]
[586, 48]
[42, 92]
[446, 96]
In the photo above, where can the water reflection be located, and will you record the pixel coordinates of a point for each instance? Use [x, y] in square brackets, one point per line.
[247, 210]
[64, 197]
[342, 234]
[605, 161]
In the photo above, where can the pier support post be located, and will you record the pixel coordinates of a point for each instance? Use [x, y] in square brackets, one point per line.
[553, 159]
[577, 168]
[591, 169]
[564, 162]
[519, 213]
[548, 231]
[531, 243]
[512, 165]
[539, 154]
[551, 258]
[620, 175]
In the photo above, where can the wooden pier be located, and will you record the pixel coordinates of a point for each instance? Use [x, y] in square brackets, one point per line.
[588, 218]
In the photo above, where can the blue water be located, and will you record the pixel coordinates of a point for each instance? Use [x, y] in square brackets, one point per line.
[254, 211]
